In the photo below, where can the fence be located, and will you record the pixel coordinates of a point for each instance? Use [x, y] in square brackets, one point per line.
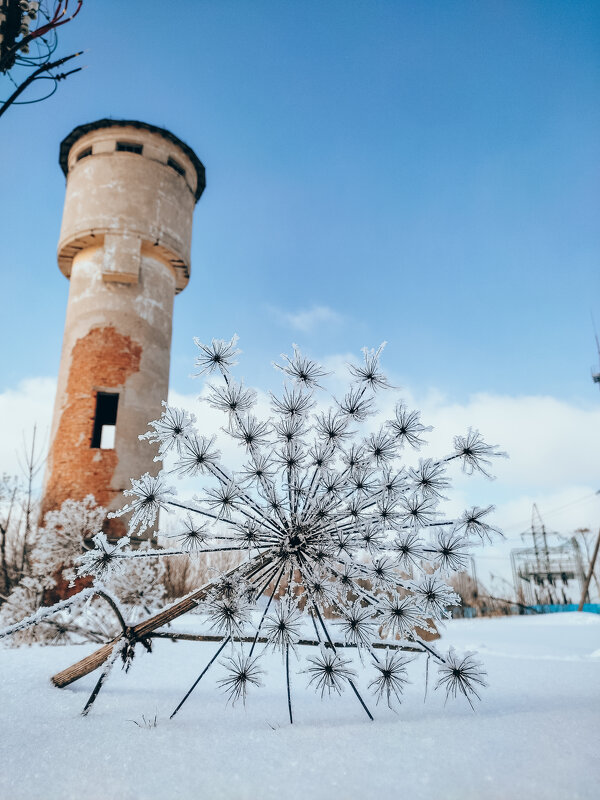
[495, 609]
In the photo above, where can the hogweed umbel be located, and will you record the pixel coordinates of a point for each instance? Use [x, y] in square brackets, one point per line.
[340, 543]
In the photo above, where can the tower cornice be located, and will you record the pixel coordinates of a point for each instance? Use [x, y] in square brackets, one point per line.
[81, 130]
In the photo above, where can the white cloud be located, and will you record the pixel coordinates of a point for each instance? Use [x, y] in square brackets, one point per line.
[553, 447]
[29, 404]
[309, 320]
[550, 442]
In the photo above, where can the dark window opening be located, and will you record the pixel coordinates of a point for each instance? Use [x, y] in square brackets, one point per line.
[176, 166]
[105, 421]
[84, 153]
[129, 147]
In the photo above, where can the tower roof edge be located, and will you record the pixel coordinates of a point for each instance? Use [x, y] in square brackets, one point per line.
[68, 142]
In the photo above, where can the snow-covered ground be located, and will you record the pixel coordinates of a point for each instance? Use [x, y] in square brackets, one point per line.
[535, 734]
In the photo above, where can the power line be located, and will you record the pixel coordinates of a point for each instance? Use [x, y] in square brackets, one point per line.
[514, 525]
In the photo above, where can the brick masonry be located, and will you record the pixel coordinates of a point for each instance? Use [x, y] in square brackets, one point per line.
[104, 358]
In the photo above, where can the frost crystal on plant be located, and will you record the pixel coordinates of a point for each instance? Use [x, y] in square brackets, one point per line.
[473, 524]
[342, 544]
[218, 355]
[391, 677]
[283, 626]
[151, 495]
[357, 626]
[170, 431]
[329, 672]
[461, 676]
[104, 559]
[243, 671]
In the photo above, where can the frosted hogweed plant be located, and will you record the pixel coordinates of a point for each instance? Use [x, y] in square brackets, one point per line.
[342, 548]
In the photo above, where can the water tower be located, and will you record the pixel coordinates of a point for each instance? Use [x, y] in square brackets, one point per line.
[125, 247]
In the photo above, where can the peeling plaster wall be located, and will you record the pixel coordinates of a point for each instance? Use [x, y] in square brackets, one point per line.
[129, 197]
[124, 244]
[133, 194]
[117, 339]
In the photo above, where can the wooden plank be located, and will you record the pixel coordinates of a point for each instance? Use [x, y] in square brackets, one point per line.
[142, 629]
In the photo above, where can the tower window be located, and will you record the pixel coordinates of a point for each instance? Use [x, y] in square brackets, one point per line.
[176, 166]
[105, 421]
[129, 147]
[84, 153]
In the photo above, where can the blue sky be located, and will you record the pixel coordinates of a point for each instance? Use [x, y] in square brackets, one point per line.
[421, 173]
[427, 171]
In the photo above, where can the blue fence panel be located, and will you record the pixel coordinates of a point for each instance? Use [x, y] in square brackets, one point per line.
[593, 608]
[467, 612]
